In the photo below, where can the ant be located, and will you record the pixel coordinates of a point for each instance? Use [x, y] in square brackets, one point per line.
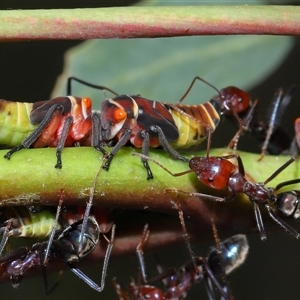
[218, 172]
[68, 244]
[232, 254]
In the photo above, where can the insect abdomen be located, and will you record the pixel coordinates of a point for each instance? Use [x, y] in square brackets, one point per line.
[15, 124]
[37, 224]
[192, 132]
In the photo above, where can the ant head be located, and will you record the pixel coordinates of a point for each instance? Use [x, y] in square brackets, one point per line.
[212, 171]
[233, 99]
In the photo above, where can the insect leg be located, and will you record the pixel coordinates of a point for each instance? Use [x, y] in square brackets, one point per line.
[283, 224]
[140, 252]
[123, 140]
[145, 149]
[166, 144]
[97, 136]
[259, 222]
[85, 278]
[37, 132]
[62, 140]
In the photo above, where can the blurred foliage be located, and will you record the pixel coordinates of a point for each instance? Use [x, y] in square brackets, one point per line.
[162, 69]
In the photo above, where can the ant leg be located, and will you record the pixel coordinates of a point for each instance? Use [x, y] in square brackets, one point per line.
[283, 224]
[122, 295]
[285, 183]
[123, 140]
[140, 253]
[54, 229]
[210, 280]
[5, 231]
[259, 222]
[85, 278]
[163, 141]
[279, 170]
[186, 237]
[271, 124]
[199, 195]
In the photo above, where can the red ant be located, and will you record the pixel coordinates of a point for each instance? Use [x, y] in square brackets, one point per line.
[219, 173]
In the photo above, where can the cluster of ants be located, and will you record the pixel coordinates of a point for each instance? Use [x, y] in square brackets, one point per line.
[73, 233]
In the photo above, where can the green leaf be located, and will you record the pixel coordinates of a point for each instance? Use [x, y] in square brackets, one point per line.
[162, 69]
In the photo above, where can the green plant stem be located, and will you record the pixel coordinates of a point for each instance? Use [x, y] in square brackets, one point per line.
[138, 22]
[30, 177]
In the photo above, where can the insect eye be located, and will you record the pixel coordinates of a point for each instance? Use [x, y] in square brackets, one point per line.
[119, 114]
[87, 102]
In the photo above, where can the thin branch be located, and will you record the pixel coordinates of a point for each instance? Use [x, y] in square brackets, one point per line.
[138, 22]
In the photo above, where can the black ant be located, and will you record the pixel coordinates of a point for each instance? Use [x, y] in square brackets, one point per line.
[233, 253]
[69, 245]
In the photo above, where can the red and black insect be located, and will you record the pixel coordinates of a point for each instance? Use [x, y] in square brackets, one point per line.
[220, 173]
[146, 123]
[231, 255]
[67, 244]
[59, 122]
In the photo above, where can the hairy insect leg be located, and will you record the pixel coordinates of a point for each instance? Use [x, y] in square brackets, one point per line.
[54, 229]
[84, 277]
[122, 295]
[271, 125]
[140, 252]
[199, 195]
[186, 236]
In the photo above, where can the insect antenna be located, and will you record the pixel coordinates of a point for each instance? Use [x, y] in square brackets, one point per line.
[192, 84]
[95, 86]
